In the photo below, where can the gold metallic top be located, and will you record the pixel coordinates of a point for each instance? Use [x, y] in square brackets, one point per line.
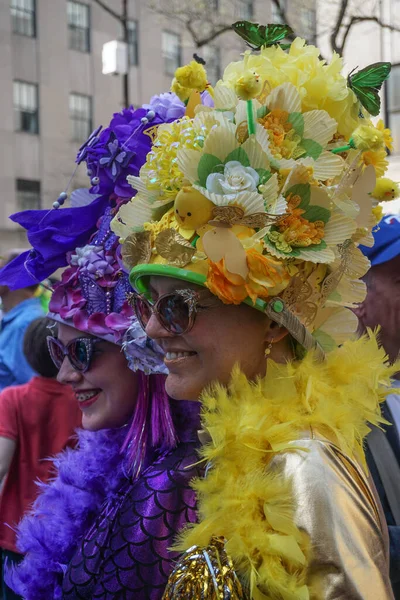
[335, 504]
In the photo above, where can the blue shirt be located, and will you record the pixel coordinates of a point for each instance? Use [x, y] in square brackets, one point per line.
[14, 368]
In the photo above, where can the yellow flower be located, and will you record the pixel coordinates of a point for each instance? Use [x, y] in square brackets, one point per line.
[192, 76]
[183, 93]
[161, 172]
[377, 211]
[377, 159]
[367, 137]
[321, 86]
[387, 135]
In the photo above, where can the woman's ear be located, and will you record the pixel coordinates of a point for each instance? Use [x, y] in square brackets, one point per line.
[275, 333]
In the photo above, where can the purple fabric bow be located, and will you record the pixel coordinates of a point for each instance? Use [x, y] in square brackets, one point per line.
[52, 234]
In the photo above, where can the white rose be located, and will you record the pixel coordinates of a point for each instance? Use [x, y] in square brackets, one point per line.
[235, 179]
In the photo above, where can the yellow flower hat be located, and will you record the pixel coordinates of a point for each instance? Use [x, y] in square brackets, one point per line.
[265, 197]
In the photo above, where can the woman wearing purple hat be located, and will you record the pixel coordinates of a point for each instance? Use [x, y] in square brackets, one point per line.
[104, 526]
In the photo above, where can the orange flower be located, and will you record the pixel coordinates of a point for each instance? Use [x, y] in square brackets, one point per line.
[296, 230]
[229, 288]
[267, 277]
[282, 135]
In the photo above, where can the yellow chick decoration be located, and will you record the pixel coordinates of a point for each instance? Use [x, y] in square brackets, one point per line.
[248, 86]
[386, 189]
[192, 209]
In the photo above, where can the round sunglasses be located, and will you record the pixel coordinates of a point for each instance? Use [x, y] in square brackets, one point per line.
[176, 311]
[79, 352]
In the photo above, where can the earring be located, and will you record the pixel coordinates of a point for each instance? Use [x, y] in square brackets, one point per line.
[268, 348]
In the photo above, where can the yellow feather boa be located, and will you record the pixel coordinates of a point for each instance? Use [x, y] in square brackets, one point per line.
[248, 424]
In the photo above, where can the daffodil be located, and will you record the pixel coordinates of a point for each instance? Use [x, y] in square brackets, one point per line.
[320, 85]
[377, 159]
[387, 134]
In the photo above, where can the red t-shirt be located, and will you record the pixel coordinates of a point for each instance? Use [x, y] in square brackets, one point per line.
[41, 417]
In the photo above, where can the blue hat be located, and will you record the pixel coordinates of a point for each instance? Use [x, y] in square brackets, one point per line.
[387, 241]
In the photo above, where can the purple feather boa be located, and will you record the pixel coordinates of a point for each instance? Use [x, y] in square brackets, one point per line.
[87, 477]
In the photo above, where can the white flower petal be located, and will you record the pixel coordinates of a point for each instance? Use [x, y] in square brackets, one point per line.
[213, 183]
[328, 166]
[284, 97]
[319, 126]
[188, 162]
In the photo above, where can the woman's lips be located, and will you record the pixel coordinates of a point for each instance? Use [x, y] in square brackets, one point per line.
[171, 358]
[87, 398]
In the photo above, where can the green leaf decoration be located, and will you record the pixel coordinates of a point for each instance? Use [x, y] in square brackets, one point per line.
[312, 148]
[208, 164]
[297, 120]
[325, 340]
[303, 190]
[264, 175]
[240, 155]
[317, 213]
[262, 112]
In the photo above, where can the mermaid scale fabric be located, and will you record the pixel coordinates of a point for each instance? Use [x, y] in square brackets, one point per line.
[125, 553]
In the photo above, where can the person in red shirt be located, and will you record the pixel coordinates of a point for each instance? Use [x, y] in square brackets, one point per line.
[37, 421]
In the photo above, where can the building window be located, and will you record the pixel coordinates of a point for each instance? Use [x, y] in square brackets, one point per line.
[212, 56]
[79, 26]
[23, 15]
[171, 50]
[309, 24]
[26, 107]
[80, 115]
[28, 194]
[133, 48]
[393, 96]
[245, 9]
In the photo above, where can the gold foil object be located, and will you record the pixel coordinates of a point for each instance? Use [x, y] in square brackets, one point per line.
[335, 505]
[136, 249]
[234, 215]
[172, 246]
[204, 574]
[285, 318]
[151, 132]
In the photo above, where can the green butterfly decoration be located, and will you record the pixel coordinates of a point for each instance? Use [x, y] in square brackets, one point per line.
[257, 36]
[366, 85]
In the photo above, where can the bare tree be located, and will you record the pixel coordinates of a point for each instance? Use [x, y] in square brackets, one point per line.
[347, 14]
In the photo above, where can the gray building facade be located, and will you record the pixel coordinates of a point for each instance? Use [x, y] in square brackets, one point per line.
[53, 92]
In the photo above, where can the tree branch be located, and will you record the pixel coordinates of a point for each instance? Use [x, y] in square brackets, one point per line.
[338, 25]
[212, 36]
[283, 16]
[109, 10]
[373, 19]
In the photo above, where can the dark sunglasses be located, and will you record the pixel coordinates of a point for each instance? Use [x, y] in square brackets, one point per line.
[79, 352]
[176, 311]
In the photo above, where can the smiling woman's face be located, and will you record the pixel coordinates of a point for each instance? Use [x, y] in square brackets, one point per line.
[107, 392]
[222, 336]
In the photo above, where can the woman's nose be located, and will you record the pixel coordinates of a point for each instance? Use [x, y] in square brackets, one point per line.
[67, 374]
[155, 330]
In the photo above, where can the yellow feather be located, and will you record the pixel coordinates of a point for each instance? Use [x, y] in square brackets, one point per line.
[249, 423]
